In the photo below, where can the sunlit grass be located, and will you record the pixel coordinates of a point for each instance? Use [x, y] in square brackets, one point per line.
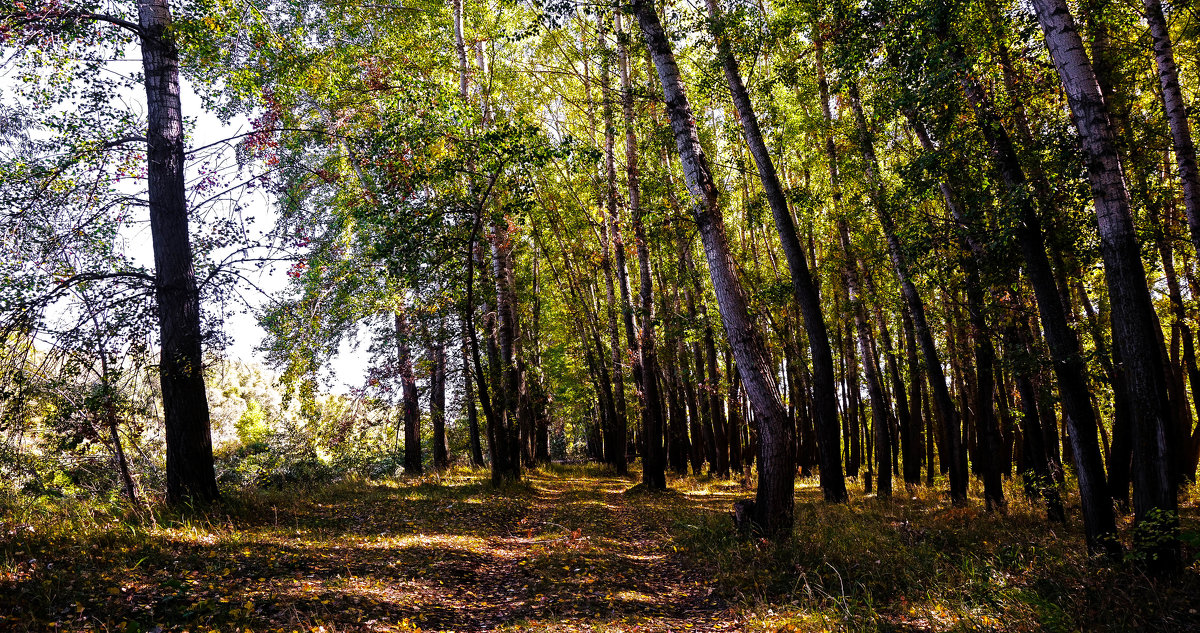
[572, 548]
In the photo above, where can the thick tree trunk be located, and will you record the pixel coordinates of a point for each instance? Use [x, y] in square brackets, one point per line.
[190, 474]
[1137, 331]
[408, 386]
[775, 498]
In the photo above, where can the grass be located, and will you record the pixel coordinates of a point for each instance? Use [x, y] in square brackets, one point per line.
[572, 548]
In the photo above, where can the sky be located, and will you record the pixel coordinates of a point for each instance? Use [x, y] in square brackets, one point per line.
[348, 368]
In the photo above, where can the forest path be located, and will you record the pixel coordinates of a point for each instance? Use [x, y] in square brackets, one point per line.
[567, 550]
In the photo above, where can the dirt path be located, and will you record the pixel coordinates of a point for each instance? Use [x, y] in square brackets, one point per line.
[566, 552]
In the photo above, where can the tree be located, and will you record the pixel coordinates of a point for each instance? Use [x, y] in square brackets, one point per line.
[832, 482]
[774, 504]
[1135, 324]
[190, 474]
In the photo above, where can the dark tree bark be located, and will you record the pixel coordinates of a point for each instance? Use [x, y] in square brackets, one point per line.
[485, 399]
[408, 385]
[853, 404]
[190, 474]
[775, 498]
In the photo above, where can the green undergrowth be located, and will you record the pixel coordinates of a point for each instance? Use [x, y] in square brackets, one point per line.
[570, 548]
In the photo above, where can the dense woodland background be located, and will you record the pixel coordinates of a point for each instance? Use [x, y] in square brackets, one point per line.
[945, 244]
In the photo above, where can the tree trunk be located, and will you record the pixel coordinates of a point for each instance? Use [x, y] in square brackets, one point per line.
[653, 457]
[695, 425]
[190, 474]
[408, 385]
[833, 483]
[485, 399]
[775, 498]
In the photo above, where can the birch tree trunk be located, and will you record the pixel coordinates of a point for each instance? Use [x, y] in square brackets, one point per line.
[776, 479]
[1136, 330]
[833, 483]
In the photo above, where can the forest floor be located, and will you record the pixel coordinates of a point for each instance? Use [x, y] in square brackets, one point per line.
[573, 548]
